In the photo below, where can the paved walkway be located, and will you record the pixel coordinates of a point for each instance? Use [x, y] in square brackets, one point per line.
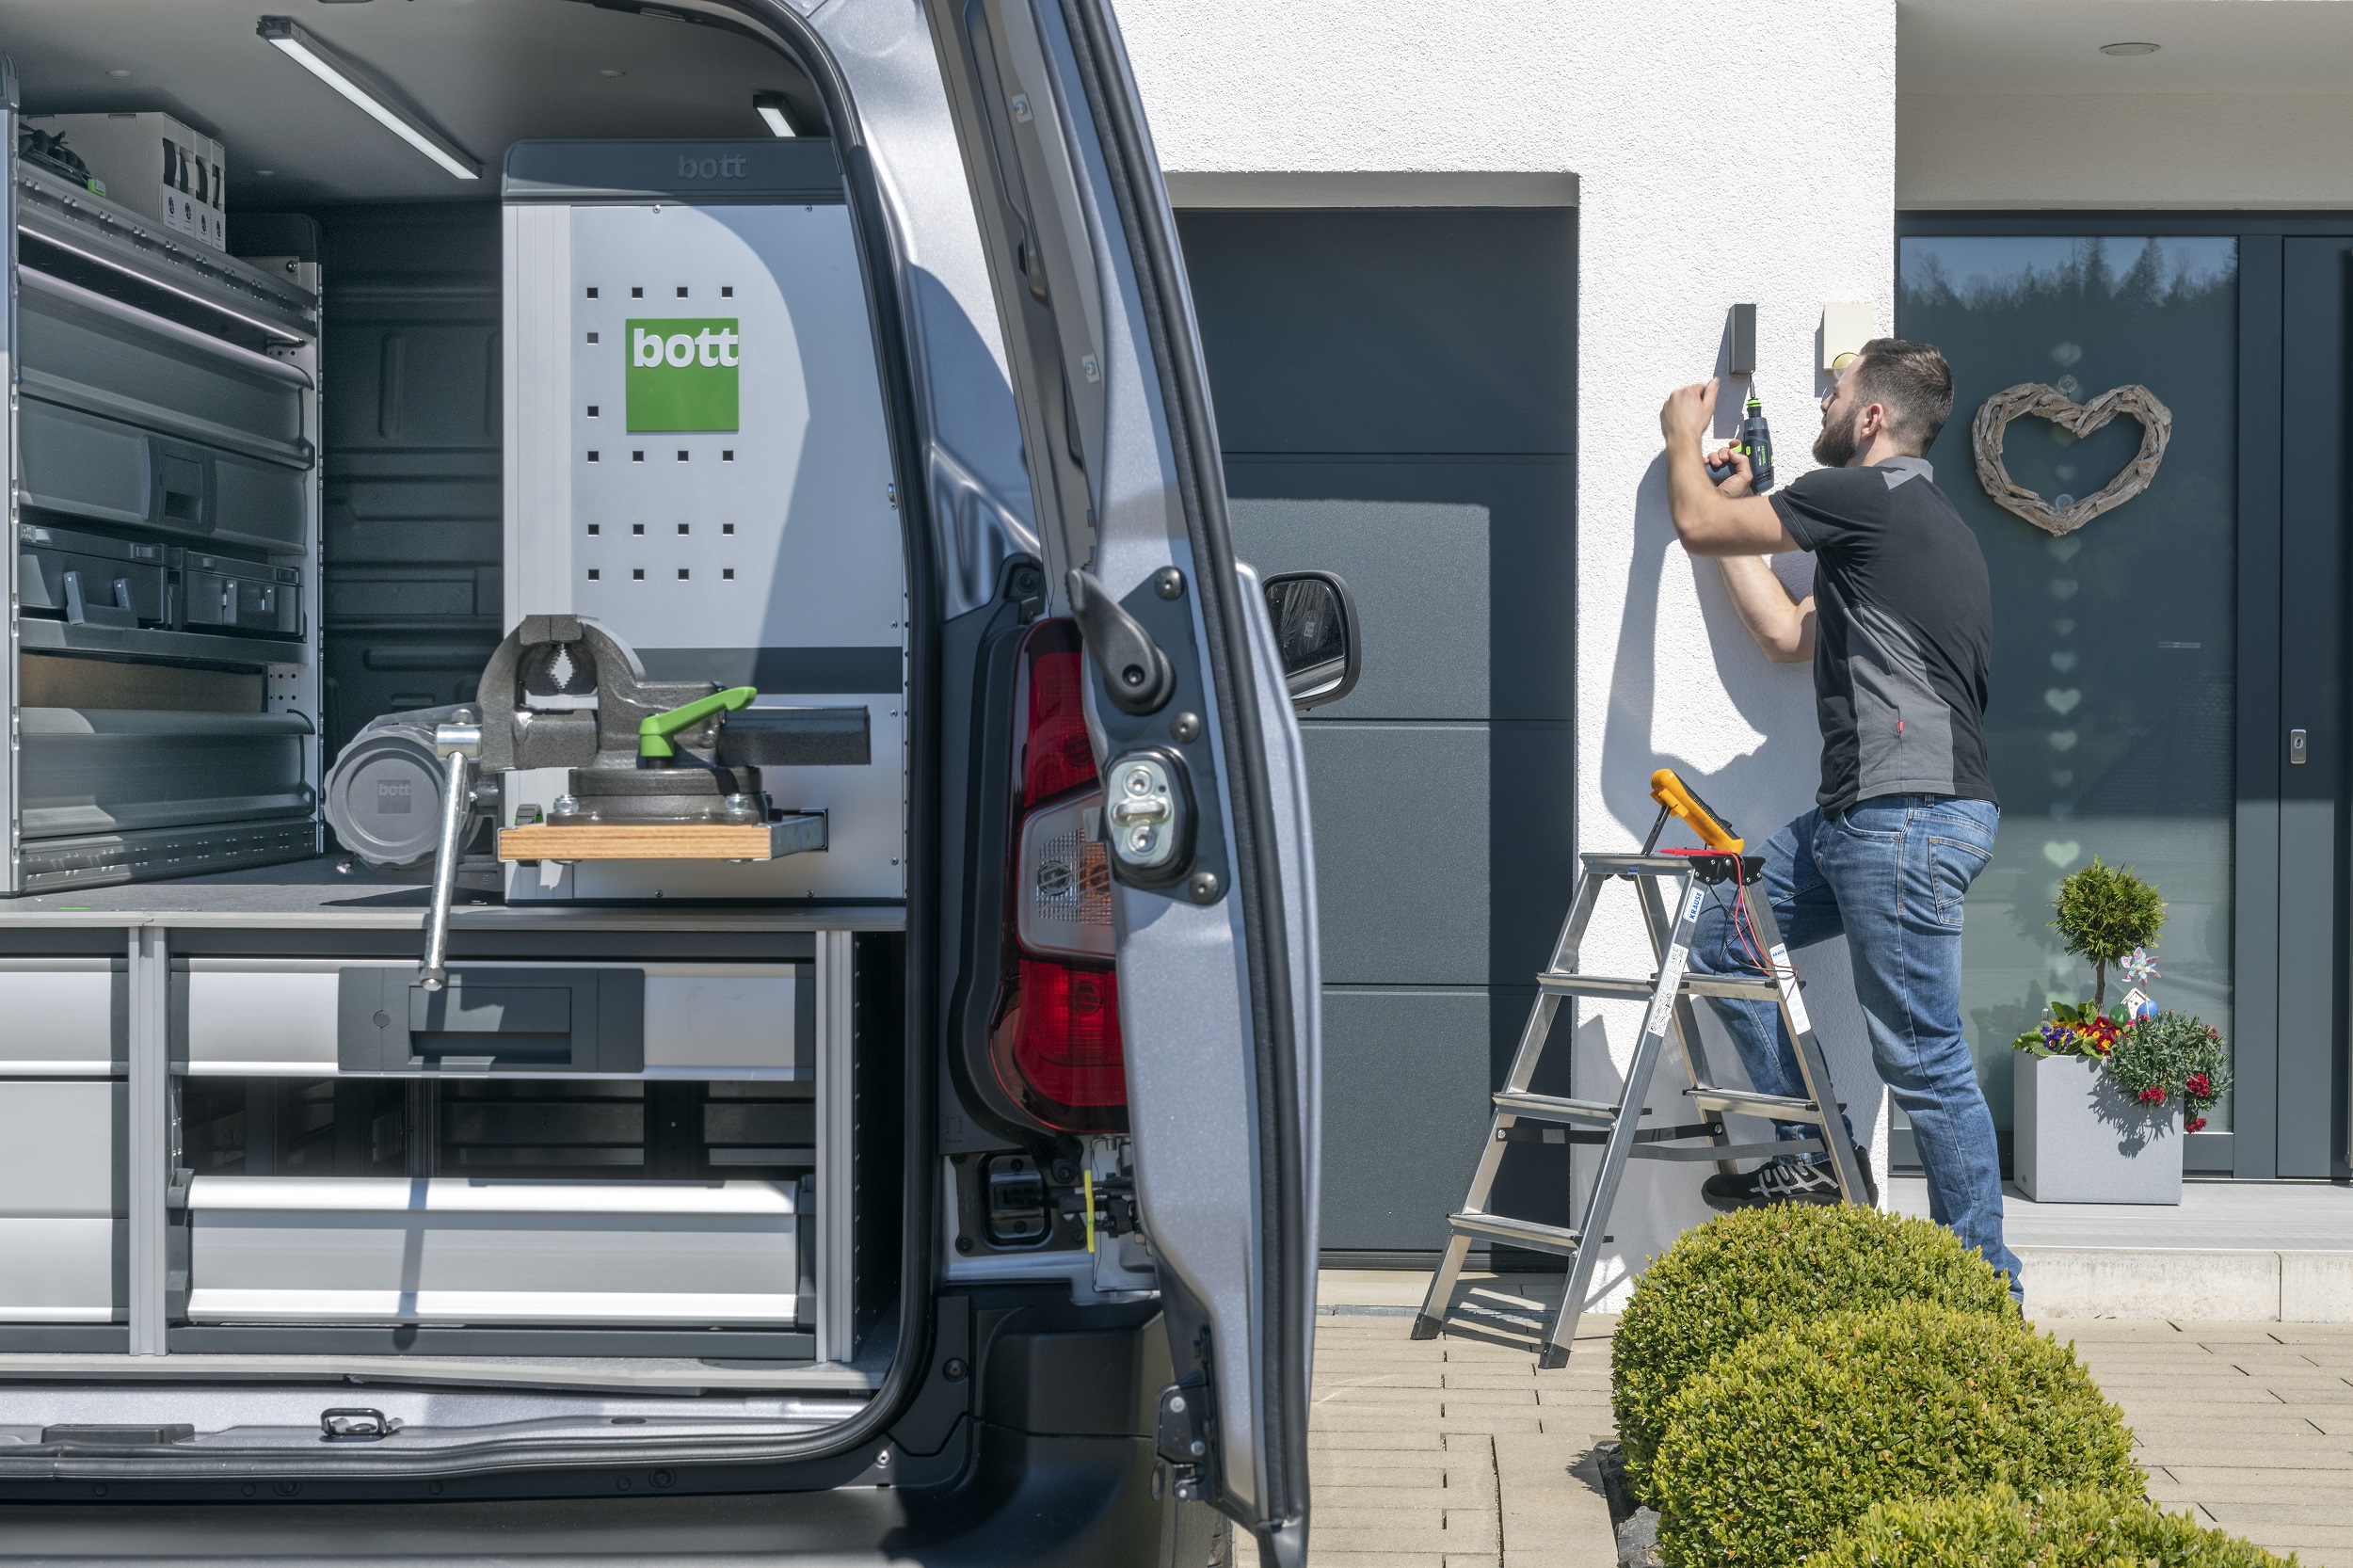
[1457, 1452]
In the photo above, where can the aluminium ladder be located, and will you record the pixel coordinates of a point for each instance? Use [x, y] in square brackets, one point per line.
[1698, 875]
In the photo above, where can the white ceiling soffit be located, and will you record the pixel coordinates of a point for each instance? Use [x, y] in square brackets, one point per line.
[487, 72]
[1367, 189]
[2025, 47]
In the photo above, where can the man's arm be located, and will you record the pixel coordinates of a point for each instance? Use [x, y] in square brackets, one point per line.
[1784, 628]
[1712, 521]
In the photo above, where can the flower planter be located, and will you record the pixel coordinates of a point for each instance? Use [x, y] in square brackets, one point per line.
[2080, 1138]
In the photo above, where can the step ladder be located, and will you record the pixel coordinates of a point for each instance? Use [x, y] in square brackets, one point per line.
[1717, 871]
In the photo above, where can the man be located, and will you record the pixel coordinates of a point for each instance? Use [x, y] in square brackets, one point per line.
[1899, 628]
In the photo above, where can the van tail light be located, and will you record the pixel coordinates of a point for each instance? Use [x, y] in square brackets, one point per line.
[1055, 1041]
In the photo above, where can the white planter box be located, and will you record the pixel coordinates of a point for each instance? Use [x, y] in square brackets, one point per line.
[2080, 1138]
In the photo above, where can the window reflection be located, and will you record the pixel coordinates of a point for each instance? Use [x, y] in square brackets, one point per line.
[2113, 681]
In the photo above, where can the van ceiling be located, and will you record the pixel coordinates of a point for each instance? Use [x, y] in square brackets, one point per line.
[488, 72]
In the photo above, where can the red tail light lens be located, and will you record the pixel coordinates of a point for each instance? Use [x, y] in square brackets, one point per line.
[1055, 1044]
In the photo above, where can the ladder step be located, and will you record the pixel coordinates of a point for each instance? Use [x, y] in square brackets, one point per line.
[1619, 986]
[1786, 1107]
[1525, 1233]
[1552, 1108]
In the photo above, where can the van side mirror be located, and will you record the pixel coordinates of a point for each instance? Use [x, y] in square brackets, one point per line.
[1315, 630]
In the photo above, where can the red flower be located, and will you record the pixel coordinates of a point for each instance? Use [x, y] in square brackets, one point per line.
[2153, 1095]
[2200, 1086]
[2196, 1124]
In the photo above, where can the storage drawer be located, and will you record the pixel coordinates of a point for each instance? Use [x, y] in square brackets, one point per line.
[63, 1271]
[246, 596]
[299, 1249]
[98, 353]
[119, 770]
[84, 465]
[104, 571]
[60, 1151]
[289, 1016]
[61, 1201]
[64, 1016]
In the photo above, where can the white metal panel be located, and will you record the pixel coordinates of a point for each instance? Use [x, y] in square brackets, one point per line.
[253, 1019]
[58, 1271]
[60, 1017]
[723, 1020]
[326, 1249]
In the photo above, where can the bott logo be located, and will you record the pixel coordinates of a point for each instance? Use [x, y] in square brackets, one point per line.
[682, 372]
[728, 167]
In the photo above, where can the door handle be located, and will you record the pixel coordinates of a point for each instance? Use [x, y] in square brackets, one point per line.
[2299, 752]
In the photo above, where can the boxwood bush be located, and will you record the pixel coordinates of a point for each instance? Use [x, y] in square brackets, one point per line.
[1795, 1434]
[1759, 1268]
[2058, 1529]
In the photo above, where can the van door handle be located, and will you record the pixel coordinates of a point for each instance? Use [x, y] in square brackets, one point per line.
[1136, 673]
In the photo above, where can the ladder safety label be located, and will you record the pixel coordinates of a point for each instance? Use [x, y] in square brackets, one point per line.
[1786, 976]
[1670, 980]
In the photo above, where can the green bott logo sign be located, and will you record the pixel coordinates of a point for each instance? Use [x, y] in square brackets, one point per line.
[682, 372]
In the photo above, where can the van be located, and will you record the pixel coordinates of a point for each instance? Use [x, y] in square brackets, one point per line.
[658, 893]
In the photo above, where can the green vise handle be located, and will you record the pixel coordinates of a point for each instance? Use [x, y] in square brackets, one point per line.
[654, 733]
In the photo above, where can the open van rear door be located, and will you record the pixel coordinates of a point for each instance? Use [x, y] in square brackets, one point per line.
[1205, 823]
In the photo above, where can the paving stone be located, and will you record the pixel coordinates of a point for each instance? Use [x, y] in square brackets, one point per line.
[1379, 1438]
[2235, 1515]
[1321, 1555]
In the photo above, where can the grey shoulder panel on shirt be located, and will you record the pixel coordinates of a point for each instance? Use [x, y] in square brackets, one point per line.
[1903, 729]
[1897, 470]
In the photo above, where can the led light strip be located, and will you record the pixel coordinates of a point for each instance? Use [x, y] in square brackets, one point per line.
[317, 57]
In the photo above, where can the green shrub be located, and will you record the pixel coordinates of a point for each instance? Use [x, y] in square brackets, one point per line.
[1793, 1435]
[2059, 1530]
[1760, 1267]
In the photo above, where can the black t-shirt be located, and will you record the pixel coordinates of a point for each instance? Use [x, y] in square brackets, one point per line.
[1903, 633]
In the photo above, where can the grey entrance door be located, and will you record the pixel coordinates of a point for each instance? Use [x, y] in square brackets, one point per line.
[1395, 394]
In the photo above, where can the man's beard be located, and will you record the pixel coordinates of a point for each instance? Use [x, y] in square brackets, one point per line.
[1835, 446]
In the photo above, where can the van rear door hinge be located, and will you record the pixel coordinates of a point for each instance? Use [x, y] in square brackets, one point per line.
[1181, 1433]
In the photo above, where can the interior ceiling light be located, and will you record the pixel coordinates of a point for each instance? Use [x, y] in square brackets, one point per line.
[370, 93]
[2130, 48]
[772, 109]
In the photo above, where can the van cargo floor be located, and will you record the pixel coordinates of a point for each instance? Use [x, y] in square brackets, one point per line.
[615, 1373]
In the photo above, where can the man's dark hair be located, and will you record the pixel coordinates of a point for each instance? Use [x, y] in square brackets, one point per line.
[1911, 381]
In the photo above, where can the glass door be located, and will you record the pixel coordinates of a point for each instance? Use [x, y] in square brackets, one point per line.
[2156, 658]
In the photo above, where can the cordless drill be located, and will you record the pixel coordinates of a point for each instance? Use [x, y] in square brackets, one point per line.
[1754, 439]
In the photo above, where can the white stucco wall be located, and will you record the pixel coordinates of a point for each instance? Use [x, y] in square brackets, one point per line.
[1716, 161]
[2124, 149]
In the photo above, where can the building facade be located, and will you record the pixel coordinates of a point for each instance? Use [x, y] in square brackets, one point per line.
[1447, 265]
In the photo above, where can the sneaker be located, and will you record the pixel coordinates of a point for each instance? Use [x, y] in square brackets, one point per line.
[1782, 1181]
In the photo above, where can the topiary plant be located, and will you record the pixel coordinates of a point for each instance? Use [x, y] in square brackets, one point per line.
[2104, 914]
[1795, 1435]
[2058, 1529]
[1760, 1267]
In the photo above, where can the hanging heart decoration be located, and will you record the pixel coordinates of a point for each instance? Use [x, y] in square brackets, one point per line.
[2032, 399]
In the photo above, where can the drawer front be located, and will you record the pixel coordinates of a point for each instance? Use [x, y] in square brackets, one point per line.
[62, 1270]
[66, 1016]
[59, 1150]
[284, 1016]
[122, 770]
[294, 1249]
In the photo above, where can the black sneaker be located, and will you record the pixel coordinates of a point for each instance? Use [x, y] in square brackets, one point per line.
[1783, 1181]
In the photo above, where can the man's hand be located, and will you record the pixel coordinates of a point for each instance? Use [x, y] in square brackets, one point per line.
[1713, 518]
[1741, 480]
[1687, 414]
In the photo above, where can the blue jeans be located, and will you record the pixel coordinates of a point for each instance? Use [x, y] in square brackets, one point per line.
[1890, 873]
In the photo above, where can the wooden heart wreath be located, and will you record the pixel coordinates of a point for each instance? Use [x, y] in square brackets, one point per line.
[2035, 400]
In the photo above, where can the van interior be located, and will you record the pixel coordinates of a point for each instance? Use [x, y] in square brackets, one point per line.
[333, 338]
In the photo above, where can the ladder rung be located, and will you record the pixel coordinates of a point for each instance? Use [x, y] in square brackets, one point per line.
[1618, 985]
[1526, 1233]
[1552, 1108]
[1786, 1106]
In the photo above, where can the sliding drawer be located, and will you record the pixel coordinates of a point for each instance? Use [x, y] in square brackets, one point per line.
[362, 1250]
[121, 770]
[78, 464]
[61, 1202]
[316, 1018]
[64, 1017]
